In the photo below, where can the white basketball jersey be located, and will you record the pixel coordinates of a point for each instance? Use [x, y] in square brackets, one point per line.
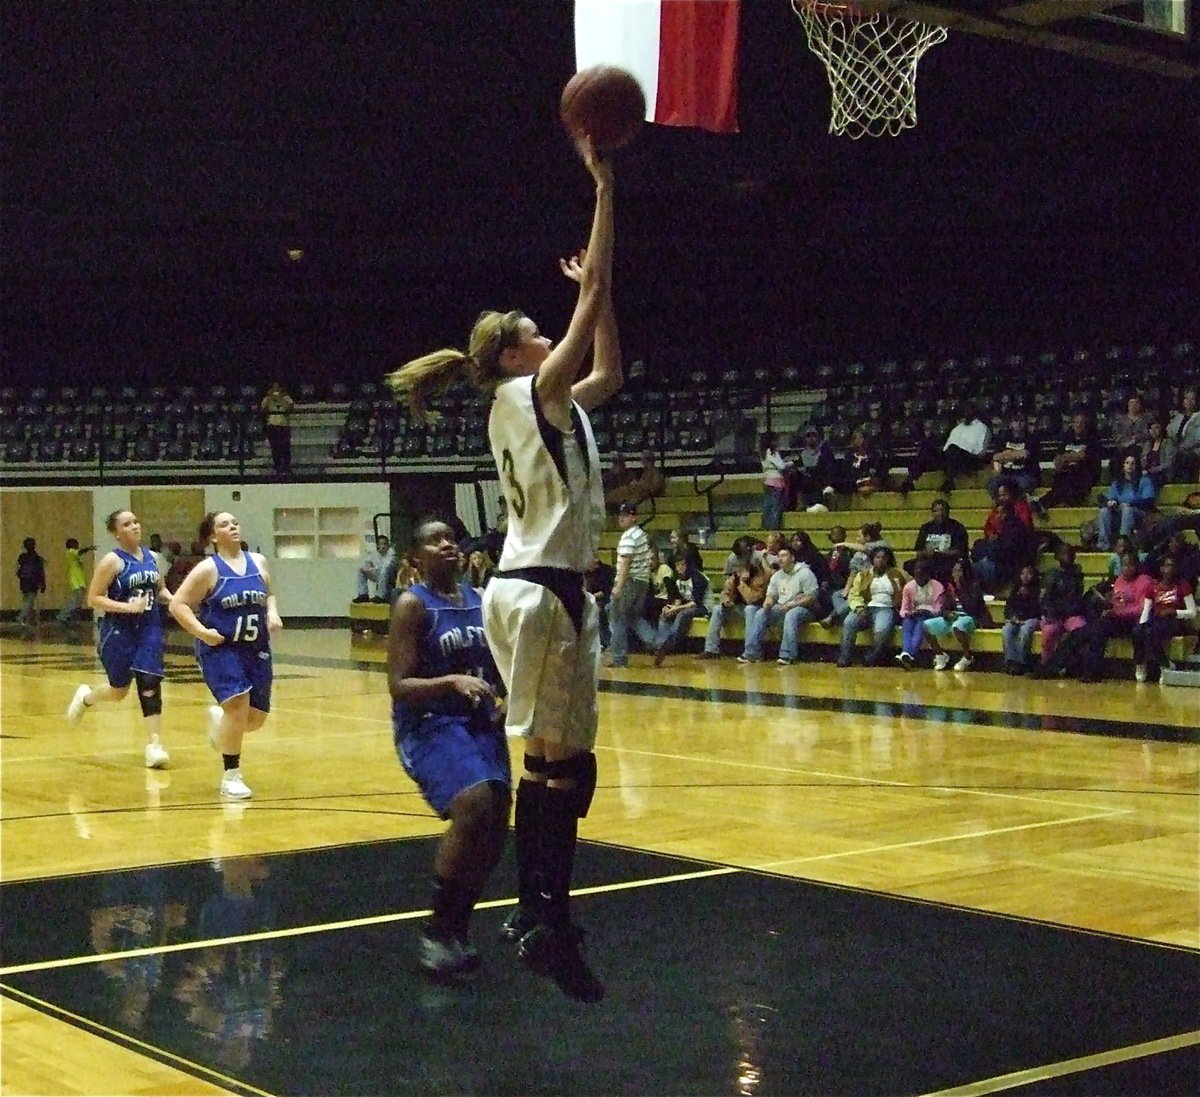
[550, 479]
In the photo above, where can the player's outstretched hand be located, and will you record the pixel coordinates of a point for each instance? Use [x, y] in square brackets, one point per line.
[596, 163]
[572, 266]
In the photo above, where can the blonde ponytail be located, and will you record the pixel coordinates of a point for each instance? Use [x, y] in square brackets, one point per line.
[426, 377]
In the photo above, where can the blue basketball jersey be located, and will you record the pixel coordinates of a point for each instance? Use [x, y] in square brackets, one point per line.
[237, 606]
[453, 644]
[136, 577]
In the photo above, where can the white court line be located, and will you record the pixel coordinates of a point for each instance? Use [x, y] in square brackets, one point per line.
[934, 841]
[330, 927]
[855, 778]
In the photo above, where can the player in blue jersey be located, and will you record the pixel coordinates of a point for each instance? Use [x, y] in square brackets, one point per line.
[227, 604]
[128, 587]
[542, 624]
[449, 734]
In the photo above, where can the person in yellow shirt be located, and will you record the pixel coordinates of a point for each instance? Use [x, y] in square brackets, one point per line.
[76, 583]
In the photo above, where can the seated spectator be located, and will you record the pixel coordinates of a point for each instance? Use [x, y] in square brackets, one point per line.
[874, 600]
[1158, 454]
[791, 597]
[1009, 542]
[1130, 430]
[493, 539]
[401, 577]
[1169, 611]
[812, 472]
[1062, 607]
[1125, 503]
[656, 597]
[744, 590]
[774, 470]
[1076, 466]
[1022, 618]
[598, 582]
[687, 591]
[681, 544]
[920, 601]
[1017, 456]
[1121, 546]
[861, 471]
[742, 553]
[870, 537]
[926, 453]
[941, 541]
[963, 611]
[479, 569]
[1183, 428]
[373, 569]
[1130, 591]
[806, 553]
[770, 549]
[1185, 555]
[966, 447]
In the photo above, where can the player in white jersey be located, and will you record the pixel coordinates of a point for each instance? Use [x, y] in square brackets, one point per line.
[542, 626]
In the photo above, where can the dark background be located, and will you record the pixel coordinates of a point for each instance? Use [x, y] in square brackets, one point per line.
[159, 160]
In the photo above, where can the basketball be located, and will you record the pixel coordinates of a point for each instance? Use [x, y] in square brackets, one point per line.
[604, 103]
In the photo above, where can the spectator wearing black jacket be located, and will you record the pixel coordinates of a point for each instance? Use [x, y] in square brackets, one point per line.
[1017, 456]
[31, 577]
[941, 541]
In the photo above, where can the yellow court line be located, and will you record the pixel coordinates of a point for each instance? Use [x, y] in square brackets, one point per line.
[88, 1024]
[1070, 1066]
[331, 927]
[935, 841]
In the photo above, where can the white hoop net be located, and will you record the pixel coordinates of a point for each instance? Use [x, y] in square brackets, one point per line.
[871, 61]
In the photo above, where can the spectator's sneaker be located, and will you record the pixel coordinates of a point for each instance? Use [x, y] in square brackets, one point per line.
[360, 599]
[817, 508]
[660, 655]
[78, 704]
[941, 661]
[1140, 673]
[828, 622]
[517, 924]
[557, 952]
[905, 660]
[441, 959]
[1039, 511]
[156, 755]
[744, 659]
[843, 663]
[965, 663]
[213, 716]
[709, 655]
[233, 787]
[785, 662]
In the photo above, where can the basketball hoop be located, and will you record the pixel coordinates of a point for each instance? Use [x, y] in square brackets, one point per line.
[871, 60]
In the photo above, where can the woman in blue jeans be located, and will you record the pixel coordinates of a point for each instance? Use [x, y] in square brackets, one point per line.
[874, 599]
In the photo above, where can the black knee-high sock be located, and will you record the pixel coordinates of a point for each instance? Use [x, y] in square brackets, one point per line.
[527, 826]
[452, 905]
[560, 828]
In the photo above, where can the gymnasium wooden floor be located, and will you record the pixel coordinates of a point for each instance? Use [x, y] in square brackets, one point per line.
[794, 879]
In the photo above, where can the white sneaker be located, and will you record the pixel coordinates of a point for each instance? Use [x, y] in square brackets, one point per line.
[78, 704]
[442, 958]
[233, 787]
[1140, 673]
[905, 660]
[213, 714]
[941, 661]
[964, 663]
[156, 755]
[817, 508]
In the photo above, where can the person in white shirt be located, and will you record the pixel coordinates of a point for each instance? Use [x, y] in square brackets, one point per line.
[966, 447]
[375, 567]
[774, 467]
[630, 587]
[791, 598]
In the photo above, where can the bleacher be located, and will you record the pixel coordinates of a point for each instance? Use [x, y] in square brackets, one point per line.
[900, 515]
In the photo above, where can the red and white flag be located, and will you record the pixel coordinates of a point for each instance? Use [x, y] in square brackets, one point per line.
[684, 53]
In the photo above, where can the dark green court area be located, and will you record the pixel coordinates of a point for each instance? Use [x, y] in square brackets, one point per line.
[741, 983]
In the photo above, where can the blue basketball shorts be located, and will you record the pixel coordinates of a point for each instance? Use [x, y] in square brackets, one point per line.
[445, 757]
[125, 650]
[233, 669]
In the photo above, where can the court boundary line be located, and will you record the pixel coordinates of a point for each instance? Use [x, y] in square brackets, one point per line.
[1065, 1067]
[130, 1043]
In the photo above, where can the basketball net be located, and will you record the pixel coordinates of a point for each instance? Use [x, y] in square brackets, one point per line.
[871, 61]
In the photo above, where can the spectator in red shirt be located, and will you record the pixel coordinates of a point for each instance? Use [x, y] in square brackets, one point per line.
[1130, 591]
[1168, 611]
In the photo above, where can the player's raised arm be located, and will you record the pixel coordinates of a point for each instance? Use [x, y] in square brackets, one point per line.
[592, 270]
